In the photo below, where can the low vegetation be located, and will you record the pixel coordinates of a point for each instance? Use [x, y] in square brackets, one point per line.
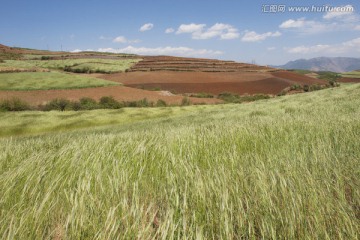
[353, 74]
[86, 65]
[61, 104]
[235, 98]
[283, 168]
[325, 75]
[48, 80]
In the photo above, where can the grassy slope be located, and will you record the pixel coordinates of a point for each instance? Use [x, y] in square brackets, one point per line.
[280, 168]
[48, 80]
[105, 65]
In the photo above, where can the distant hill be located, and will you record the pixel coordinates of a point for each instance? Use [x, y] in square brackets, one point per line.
[336, 64]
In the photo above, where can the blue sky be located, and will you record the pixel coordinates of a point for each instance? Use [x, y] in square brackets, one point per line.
[228, 29]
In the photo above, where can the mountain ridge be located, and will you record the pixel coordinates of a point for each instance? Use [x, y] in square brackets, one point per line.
[334, 64]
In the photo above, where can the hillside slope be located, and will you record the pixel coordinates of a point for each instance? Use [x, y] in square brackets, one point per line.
[280, 168]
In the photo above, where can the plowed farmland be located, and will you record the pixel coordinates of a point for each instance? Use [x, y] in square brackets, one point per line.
[189, 75]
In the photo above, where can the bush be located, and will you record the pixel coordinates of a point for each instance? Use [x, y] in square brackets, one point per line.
[76, 106]
[315, 87]
[59, 104]
[161, 103]
[306, 88]
[229, 97]
[88, 103]
[109, 103]
[185, 101]
[296, 87]
[145, 103]
[14, 104]
[202, 95]
[46, 57]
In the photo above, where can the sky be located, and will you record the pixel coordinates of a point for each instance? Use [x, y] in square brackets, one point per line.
[258, 31]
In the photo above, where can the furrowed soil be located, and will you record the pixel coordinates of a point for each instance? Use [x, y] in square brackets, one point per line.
[120, 93]
[213, 82]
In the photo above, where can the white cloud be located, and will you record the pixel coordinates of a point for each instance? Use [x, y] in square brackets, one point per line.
[251, 36]
[291, 23]
[122, 39]
[198, 31]
[76, 50]
[357, 28]
[175, 51]
[271, 48]
[340, 12]
[190, 28]
[344, 47]
[169, 30]
[146, 27]
[332, 21]
[307, 26]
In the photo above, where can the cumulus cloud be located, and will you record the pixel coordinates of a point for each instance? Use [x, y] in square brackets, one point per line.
[146, 27]
[169, 30]
[122, 39]
[307, 26]
[218, 30]
[251, 36]
[343, 12]
[175, 51]
[291, 23]
[344, 47]
[332, 21]
[190, 28]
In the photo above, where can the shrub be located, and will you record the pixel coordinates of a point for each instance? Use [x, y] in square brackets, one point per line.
[229, 97]
[185, 101]
[144, 103]
[88, 103]
[161, 103]
[296, 87]
[14, 104]
[202, 95]
[76, 106]
[315, 87]
[306, 88]
[59, 104]
[109, 103]
[46, 57]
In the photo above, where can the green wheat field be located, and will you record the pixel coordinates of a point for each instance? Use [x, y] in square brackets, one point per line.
[282, 168]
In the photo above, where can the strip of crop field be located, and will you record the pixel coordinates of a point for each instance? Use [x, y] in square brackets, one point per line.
[48, 80]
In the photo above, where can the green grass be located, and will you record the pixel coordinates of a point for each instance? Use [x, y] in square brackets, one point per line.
[353, 74]
[325, 75]
[282, 168]
[93, 65]
[48, 80]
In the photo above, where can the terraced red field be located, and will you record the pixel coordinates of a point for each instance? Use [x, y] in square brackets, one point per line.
[213, 82]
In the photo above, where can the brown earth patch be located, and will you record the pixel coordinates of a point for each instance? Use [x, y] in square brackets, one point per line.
[297, 78]
[212, 82]
[349, 80]
[120, 93]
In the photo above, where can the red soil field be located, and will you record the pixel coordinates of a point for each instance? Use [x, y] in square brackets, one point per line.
[349, 80]
[120, 93]
[213, 82]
